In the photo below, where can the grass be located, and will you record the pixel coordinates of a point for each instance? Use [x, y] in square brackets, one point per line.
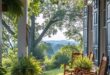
[54, 72]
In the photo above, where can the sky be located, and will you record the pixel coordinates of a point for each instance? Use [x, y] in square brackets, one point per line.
[58, 36]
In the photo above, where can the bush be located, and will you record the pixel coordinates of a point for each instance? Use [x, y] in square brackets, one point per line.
[59, 59]
[48, 62]
[26, 66]
[2, 70]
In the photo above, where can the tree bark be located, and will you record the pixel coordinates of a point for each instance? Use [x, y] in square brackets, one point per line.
[7, 27]
[22, 50]
[31, 35]
[0, 31]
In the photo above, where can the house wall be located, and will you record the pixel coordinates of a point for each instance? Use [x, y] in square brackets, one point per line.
[98, 29]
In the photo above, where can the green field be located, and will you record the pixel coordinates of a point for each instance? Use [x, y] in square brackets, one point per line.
[54, 72]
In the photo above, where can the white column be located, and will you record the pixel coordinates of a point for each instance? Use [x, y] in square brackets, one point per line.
[0, 31]
[22, 50]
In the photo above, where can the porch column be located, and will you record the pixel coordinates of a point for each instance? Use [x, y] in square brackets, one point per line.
[85, 30]
[89, 29]
[22, 50]
[102, 27]
[0, 31]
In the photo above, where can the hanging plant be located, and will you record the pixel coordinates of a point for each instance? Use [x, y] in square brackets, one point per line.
[13, 7]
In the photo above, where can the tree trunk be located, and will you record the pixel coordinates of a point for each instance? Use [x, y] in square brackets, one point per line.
[52, 20]
[0, 31]
[31, 35]
[43, 33]
[22, 50]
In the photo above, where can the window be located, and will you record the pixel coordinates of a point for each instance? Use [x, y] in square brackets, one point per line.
[95, 3]
[85, 11]
[95, 35]
[85, 35]
[85, 23]
[108, 33]
[95, 17]
[108, 11]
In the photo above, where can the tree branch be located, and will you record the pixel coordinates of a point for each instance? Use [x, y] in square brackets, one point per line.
[7, 27]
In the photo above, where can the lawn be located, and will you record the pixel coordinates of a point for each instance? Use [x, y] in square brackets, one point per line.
[54, 72]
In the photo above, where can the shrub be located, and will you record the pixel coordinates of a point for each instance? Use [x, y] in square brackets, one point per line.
[48, 62]
[59, 59]
[26, 66]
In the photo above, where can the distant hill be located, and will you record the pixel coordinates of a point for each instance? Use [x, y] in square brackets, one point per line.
[55, 45]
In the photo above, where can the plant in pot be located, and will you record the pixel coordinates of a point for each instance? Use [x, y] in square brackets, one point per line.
[82, 64]
[26, 66]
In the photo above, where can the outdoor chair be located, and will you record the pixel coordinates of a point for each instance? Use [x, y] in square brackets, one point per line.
[91, 56]
[103, 65]
[68, 70]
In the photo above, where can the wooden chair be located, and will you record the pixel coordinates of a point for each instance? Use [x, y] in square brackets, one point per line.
[70, 71]
[91, 56]
[103, 65]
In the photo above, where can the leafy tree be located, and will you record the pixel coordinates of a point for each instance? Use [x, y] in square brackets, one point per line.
[72, 14]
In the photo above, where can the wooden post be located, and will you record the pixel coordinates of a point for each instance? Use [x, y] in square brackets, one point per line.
[89, 29]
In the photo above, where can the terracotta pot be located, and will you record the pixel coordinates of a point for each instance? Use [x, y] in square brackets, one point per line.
[77, 70]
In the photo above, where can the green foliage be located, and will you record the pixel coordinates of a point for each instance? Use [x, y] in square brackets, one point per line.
[83, 63]
[79, 4]
[34, 7]
[67, 50]
[14, 7]
[58, 1]
[26, 66]
[40, 51]
[60, 59]
[48, 62]
[2, 70]
[64, 55]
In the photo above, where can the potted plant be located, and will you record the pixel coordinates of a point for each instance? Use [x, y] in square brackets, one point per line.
[82, 64]
[26, 66]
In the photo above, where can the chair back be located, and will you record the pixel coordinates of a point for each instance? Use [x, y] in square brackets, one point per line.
[91, 56]
[76, 55]
[103, 65]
